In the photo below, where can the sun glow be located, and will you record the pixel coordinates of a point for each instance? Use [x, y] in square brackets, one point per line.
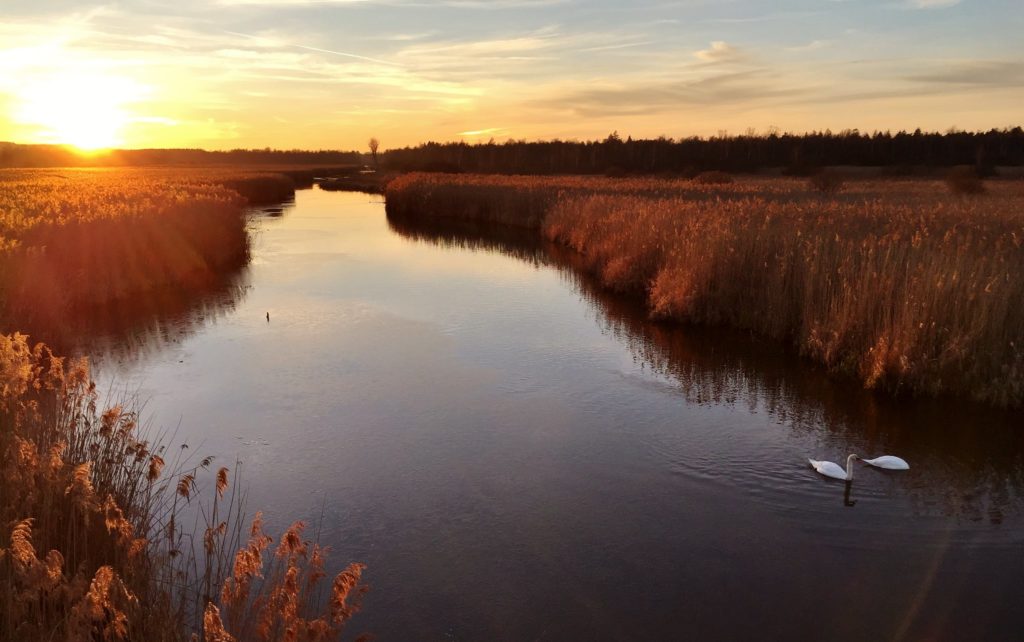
[86, 110]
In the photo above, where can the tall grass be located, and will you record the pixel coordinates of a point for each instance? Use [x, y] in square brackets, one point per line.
[897, 284]
[73, 238]
[106, 536]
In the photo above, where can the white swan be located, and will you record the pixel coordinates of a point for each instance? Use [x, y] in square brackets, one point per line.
[888, 462]
[833, 470]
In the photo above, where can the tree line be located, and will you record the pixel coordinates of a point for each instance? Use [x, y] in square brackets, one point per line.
[15, 155]
[797, 153]
[902, 152]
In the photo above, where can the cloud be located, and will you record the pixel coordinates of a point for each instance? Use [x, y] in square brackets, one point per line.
[286, 3]
[996, 73]
[407, 37]
[483, 132]
[458, 4]
[933, 4]
[277, 43]
[813, 45]
[621, 45]
[719, 51]
[651, 96]
[515, 56]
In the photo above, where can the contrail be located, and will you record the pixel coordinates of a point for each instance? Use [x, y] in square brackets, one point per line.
[329, 51]
[349, 55]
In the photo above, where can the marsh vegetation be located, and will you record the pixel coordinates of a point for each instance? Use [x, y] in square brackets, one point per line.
[108, 534]
[903, 285]
[895, 283]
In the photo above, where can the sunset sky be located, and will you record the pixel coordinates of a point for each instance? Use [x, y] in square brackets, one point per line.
[331, 73]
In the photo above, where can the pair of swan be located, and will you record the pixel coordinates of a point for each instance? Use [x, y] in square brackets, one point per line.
[835, 471]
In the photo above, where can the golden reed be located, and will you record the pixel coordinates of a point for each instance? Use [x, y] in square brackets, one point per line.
[900, 284]
[92, 542]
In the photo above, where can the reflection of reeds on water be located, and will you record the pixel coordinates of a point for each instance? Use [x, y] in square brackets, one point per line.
[897, 284]
[970, 457]
[129, 329]
[84, 238]
[472, 235]
[91, 254]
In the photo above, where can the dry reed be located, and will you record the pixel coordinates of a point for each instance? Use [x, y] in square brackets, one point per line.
[894, 283]
[94, 535]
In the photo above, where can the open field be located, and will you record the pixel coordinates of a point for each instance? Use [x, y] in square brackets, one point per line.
[897, 283]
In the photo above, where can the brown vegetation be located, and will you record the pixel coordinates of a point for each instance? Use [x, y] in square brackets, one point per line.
[826, 181]
[367, 182]
[92, 545]
[85, 237]
[964, 180]
[93, 542]
[713, 178]
[892, 282]
[522, 201]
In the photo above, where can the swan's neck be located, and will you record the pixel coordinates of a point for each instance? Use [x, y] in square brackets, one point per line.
[849, 467]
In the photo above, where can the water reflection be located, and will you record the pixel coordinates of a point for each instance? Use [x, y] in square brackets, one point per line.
[849, 503]
[133, 328]
[967, 460]
[516, 454]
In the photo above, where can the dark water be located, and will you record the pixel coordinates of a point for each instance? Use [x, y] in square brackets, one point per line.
[517, 455]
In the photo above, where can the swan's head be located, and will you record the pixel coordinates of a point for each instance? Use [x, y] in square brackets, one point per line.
[853, 456]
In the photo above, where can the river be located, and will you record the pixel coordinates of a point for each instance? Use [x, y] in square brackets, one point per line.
[518, 455]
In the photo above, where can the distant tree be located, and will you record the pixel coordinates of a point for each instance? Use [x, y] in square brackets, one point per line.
[374, 145]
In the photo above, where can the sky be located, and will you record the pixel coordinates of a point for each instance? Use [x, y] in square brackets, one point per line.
[329, 74]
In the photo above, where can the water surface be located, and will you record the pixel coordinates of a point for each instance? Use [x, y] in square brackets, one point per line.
[517, 455]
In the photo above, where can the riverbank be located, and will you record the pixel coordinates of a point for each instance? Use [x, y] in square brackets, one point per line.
[103, 531]
[97, 540]
[898, 284]
[78, 239]
[369, 182]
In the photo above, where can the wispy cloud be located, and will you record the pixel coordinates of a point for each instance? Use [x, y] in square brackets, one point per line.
[653, 96]
[460, 4]
[621, 45]
[996, 73]
[277, 43]
[813, 45]
[933, 4]
[483, 132]
[287, 3]
[411, 70]
[719, 51]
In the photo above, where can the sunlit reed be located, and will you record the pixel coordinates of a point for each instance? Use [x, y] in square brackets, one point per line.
[105, 535]
[900, 284]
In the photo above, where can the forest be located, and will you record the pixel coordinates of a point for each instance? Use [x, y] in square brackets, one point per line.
[15, 155]
[901, 153]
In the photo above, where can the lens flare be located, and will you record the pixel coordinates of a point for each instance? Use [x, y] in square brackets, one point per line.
[84, 109]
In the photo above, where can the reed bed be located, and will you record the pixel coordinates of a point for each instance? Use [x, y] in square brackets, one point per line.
[105, 535]
[70, 238]
[521, 201]
[907, 288]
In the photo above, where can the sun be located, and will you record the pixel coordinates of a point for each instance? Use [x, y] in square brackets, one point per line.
[86, 110]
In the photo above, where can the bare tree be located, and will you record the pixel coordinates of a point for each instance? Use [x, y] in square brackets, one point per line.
[374, 144]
